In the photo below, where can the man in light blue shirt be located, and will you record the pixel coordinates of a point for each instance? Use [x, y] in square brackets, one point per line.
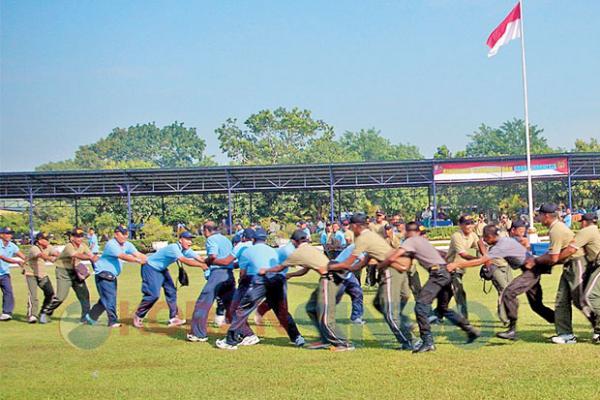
[269, 287]
[220, 282]
[93, 241]
[8, 250]
[155, 274]
[351, 286]
[107, 269]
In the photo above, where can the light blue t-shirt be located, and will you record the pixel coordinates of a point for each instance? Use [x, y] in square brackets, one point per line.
[109, 260]
[323, 238]
[568, 220]
[219, 246]
[283, 253]
[93, 243]
[258, 256]
[339, 236]
[166, 256]
[9, 250]
[307, 231]
[345, 254]
[240, 248]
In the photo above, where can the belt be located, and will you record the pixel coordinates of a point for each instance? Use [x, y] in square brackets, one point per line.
[435, 268]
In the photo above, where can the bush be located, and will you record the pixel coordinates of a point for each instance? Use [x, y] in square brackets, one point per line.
[58, 228]
[154, 230]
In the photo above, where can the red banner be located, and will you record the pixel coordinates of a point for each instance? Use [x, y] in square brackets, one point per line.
[494, 170]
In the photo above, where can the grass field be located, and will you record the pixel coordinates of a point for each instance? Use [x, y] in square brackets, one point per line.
[48, 361]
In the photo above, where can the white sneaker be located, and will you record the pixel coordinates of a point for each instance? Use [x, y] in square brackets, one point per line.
[222, 344]
[250, 340]
[258, 319]
[176, 322]
[596, 338]
[219, 321]
[5, 317]
[564, 339]
[299, 342]
[115, 325]
[196, 339]
[44, 319]
[32, 319]
[358, 321]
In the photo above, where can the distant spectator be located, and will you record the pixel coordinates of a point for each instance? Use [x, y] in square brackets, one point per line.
[93, 241]
[568, 218]
[426, 217]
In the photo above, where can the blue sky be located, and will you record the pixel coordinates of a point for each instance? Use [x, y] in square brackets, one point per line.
[71, 71]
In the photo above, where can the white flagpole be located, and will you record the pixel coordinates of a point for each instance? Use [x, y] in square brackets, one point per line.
[524, 67]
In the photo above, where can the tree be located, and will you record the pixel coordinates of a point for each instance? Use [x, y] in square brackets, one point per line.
[370, 145]
[140, 146]
[442, 152]
[272, 137]
[581, 146]
[508, 139]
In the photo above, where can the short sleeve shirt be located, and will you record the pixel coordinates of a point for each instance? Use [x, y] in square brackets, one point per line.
[345, 254]
[509, 250]
[459, 242]
[36, 265]
[219, 246]
[283, 253]
[65, 258]
[307, 256]
[240, 248]
[163, 258]
[9, 250]
[378, 228]
[109, 261]
[372, 244]
[588, 239]
[258, 256]
[349, 236]
[423, 251]
[561, 237]
[93, 243]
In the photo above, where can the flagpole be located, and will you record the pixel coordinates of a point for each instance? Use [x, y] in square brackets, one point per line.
[527, 141]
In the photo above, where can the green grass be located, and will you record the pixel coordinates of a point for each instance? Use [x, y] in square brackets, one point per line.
[40, 361]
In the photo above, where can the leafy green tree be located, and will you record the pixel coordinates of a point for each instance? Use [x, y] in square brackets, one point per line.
[508, 139]
[271, 137]
[370, 145]
[442, 152]
[581, 146]
[140, 146]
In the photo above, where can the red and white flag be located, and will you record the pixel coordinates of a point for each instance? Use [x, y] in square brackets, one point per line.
[508, 30]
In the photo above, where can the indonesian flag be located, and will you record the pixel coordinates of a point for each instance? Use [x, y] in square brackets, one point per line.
[508, 30]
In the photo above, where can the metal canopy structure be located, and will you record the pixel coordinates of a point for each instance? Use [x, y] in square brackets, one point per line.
[269, 178]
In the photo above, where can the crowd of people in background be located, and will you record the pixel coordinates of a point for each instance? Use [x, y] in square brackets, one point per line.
[387, 247]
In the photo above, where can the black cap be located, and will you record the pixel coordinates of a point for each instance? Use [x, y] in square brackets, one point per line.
[590, 217]
[299, 235]
[548, 208]
[345, 222]
[358, 218]
[122, 229]
[248, 233]
[77, 232]
[7, 230]
[465, 220]
[379, 212]
[519, 223]
[41, 235]
[260, 234]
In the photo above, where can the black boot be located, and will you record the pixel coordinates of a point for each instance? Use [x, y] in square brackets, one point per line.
[426, 346]
[472, 334]
[511, 333]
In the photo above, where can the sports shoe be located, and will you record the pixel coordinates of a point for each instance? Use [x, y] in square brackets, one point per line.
[176, 321]
[44, 319]
[115, 325]
[219, 321]
[424, 347]
[5, 317]
[222, 344]
[258, 319]
[195, 339]
[89, 320]
[568, 338]
[138, 322]
[32, 319]
[318, 346]
[250, 340]
[434, 320]
[472, 335]
[339, 349]
[299, 342]
[596, 338]
[358, 321]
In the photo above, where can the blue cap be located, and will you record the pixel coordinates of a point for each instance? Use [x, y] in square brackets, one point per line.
[260, 234]
[186, 235]
[7, 230]
[122, 229]
[248, 233]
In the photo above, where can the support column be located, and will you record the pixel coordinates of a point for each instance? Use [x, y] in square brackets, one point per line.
[129, 213]
[76, 212]
[570, 186]
[229, 205]
[31, 214]
[331, 197]
[251, 208]
[433, 189]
